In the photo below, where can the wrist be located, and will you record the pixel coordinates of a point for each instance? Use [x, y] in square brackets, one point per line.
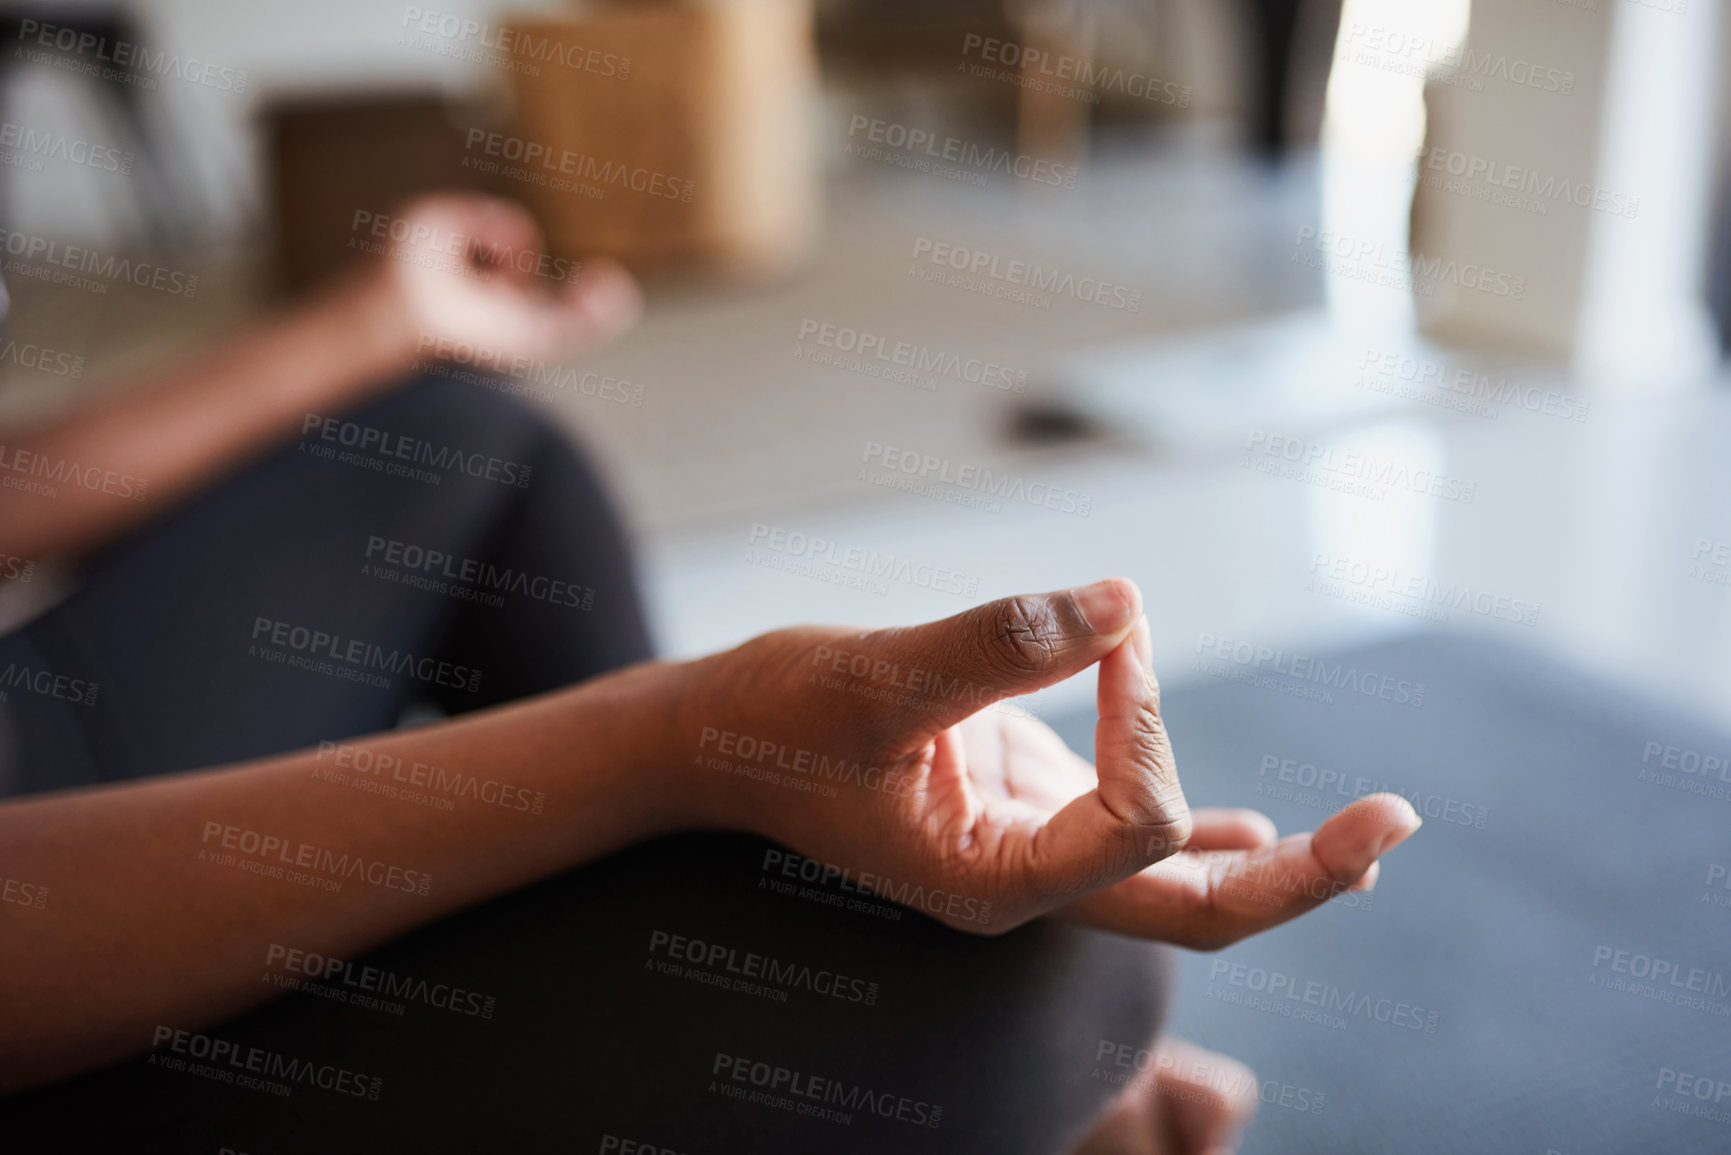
[704, 796]
[650, 719]
[375, 324]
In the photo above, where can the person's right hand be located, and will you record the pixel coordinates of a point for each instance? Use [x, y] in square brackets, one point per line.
[934, 790]
[470, 272]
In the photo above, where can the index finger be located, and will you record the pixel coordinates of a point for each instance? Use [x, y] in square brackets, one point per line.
[1136, 814]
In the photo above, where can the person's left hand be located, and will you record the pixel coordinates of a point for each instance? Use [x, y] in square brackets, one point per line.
[901, 769]
[1232, 879]
[468, 278]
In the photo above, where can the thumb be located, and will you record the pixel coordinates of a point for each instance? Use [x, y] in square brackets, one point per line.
[1011, 646]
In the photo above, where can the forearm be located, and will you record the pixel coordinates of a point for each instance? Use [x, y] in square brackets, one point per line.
[164, 897]
[152, 444]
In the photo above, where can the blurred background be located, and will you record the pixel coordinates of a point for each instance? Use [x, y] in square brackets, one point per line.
[1120, 246]
[1333, 323]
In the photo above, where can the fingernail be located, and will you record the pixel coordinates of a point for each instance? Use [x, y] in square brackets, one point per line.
[1144, 643]
[1108, 605]
[1400, 832]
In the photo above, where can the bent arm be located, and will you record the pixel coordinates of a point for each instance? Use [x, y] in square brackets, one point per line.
[149, 446]
[185, 426]
[154, 904]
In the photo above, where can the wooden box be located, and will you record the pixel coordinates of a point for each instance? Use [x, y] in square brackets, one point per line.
[669, 132]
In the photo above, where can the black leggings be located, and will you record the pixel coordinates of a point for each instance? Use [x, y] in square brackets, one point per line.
[554, 1018]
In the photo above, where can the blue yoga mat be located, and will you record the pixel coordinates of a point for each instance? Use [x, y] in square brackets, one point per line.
[1544, 967]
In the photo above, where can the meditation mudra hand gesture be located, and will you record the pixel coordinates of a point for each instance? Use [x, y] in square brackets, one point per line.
[992, 805]
[941, 790]
[469, 271]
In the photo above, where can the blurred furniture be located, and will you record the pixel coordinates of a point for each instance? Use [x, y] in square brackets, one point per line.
[118, 85]
[1274, 32]
[670, 133]
[1609, 152]
[334, 156]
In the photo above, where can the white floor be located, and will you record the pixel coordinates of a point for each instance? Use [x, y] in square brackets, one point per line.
[1592, 522]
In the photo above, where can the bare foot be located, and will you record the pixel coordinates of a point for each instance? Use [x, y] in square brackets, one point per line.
[1183, 1101]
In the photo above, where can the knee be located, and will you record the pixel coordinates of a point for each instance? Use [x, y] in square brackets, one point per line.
[474, 419]
[463, 409]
